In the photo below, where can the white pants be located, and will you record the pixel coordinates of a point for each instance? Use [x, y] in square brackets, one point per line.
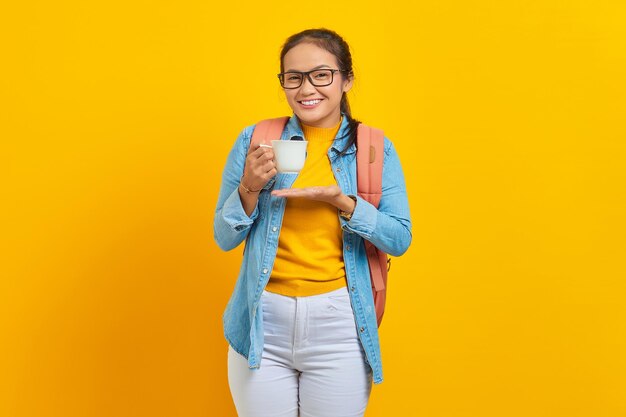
[313, 364]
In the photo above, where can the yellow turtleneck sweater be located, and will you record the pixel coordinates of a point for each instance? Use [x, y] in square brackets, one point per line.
[309, 259]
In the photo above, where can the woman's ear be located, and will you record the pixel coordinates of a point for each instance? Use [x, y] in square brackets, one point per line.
[348, 83]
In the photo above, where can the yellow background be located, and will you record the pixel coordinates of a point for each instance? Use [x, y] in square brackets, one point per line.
[115, 121]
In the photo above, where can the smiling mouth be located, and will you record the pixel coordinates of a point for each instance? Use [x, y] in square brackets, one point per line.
[310, 102]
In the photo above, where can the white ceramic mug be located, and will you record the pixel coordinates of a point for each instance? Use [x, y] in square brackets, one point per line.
[289, 155]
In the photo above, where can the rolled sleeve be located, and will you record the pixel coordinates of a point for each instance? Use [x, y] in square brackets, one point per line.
[235, 216]
[388, 226]
[364, 218]
[231, 224]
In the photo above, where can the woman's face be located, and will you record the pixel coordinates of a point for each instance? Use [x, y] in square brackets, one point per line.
[322, 105]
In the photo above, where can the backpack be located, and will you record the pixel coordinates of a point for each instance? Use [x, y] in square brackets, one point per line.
[369, 167]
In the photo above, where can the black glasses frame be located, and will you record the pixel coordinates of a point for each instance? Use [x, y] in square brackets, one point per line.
[307, 74]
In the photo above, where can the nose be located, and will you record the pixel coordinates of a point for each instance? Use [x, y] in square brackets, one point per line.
[307, 88]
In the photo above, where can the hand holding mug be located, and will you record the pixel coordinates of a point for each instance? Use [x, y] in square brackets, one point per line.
[259, 168]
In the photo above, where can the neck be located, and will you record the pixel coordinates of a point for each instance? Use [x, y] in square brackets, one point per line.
[320, 134]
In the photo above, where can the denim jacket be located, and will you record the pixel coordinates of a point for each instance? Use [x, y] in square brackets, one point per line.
[388, 228]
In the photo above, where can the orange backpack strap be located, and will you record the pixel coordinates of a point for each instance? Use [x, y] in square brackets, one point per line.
[369, 168]
[369, 162]
[267, 130]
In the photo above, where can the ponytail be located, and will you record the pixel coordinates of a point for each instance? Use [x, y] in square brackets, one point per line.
[353, 124]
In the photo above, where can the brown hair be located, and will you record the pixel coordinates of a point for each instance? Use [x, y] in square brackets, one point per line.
[336, 45]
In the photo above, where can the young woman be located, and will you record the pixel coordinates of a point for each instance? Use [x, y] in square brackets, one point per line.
[301, 324]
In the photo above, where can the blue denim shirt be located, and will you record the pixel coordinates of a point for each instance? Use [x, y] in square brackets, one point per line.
[388, 228]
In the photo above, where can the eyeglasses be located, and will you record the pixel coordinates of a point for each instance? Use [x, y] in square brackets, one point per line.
[318, 78]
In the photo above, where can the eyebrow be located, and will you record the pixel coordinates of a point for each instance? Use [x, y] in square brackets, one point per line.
[313, 69]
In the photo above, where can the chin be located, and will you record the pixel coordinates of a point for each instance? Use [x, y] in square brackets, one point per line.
[307, 118]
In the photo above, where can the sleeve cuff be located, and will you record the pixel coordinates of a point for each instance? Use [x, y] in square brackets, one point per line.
[234, 214]
[363, 221]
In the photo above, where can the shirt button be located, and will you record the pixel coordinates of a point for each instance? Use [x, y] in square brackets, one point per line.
[274, 229]
[362, 329]
[338, 170]
[352, 288]
[348, 247]
[265, 270]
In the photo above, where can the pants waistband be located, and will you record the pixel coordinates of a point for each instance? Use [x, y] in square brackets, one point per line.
[339, 291]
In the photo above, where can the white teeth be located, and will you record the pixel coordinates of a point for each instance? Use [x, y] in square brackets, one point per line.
[311, 102]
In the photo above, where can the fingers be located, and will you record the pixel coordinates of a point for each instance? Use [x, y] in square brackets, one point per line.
[285, 193]
[327, 194]
[262, 162]
[261, 150]
[295, 192]
[271, 171]
[259, 167]
[252, 149]
[260, 155]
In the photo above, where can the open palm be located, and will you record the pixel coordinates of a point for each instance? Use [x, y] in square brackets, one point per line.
[328, 194]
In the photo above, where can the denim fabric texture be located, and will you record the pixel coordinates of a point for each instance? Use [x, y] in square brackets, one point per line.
[388, 228]
[313, 362]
